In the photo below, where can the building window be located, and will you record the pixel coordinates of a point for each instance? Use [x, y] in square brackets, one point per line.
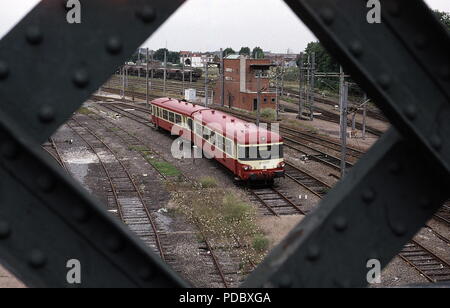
[228, 78]
[265, 100]
[273, 100]
[229, 70]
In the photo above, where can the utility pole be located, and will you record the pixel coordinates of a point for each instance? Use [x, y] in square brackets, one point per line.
[300, 80]
[146, 80]
[308, 83]
[183, 94]
[364, 117]
[277, 101]
[206, 83]
[343, 105]
[165, 71]
[123, 81]
[152, 73]
[313, 78]
[222, 75]
[258, 104]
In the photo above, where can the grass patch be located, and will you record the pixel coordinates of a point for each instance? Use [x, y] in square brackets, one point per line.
[85, 111]
[208, 182]
[165, 168]
[139, 148]
[224, 218]
[297, 124]
[260, 243]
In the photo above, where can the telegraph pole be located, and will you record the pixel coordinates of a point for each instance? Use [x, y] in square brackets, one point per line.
[183, 94]
[308, 82]
[165, 71]
[364, 116]
[313, 78]
[258, 104]
[277, 101]
[206, 83]
[146, 80]
[343, 105]
[152, 73]
[222, 75]
[300, 79]
[123, 81]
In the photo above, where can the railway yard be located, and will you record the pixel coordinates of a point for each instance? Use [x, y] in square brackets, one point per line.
[191, 212]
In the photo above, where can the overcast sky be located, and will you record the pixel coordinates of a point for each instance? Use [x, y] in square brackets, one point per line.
[207, 25]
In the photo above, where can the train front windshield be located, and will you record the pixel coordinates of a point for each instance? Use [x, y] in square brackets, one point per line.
[262, 152]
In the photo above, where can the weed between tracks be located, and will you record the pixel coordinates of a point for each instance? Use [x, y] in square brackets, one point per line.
[224, 219]
[163, 167]
[85, 111]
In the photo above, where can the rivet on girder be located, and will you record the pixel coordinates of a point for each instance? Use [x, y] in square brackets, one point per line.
[37, 259]
[81, 78]
[114, 244]
[34, 35]
[5, 230]
[399, 229]
[327, 15]
[356, 49]
[368, 196]
[9, 150]
[411, 112]
[46, 183]
[46, 114]
[147, 14]
[340, 224]
[114, 45]
[146, 274]
[436, 142]
[395, 168]
[285, 282]
[385, 81]
[313, 253]
[4, 70]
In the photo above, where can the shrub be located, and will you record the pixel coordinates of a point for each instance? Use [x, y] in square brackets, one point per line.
[260, 243]
[208, 182]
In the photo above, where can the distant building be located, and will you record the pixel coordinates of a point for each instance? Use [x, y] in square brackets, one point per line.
[194, 59]
[241, 83]
[280, 59]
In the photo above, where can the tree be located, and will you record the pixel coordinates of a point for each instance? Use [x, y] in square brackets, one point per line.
[444, 17]
[258, 53]
[228, 51]
[324, 61]
[245, 51]
[172, 57]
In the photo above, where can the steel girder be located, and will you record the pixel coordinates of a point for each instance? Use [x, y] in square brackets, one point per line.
[385, 199]
[403, 64]
[48, 67]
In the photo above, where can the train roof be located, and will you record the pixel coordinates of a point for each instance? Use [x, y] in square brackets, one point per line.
[233, 128]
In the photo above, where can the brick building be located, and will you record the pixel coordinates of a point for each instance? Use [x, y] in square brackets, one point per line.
[241, 83]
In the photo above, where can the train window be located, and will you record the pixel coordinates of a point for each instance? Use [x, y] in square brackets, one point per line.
[172, 117]
[220, 142]
[229, 147]
[165, 114]
[178, 119]
[198, 129]
[206, 133]
[260, 153]
[189, 122]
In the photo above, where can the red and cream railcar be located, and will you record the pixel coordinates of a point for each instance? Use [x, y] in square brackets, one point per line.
[250, 152]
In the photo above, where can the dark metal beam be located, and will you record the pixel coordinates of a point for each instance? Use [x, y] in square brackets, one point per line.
[47, 69]
[403, 64]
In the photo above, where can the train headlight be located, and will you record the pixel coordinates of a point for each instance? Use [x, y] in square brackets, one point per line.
[247, 168]
[282, 165]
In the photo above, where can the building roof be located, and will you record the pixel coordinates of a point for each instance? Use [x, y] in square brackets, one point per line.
[233, 128]
[233, 57]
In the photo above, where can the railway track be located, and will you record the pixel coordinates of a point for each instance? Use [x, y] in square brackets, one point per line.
[124, 198]
[129, 112]
[307, 181]
[432, 267]
[443, 214]
[51, 148]
[275, 202]
[207, 250]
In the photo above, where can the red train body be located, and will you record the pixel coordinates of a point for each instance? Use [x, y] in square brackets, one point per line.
[250, 152]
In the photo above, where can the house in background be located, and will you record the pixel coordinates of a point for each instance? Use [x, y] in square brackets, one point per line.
[241, 83]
